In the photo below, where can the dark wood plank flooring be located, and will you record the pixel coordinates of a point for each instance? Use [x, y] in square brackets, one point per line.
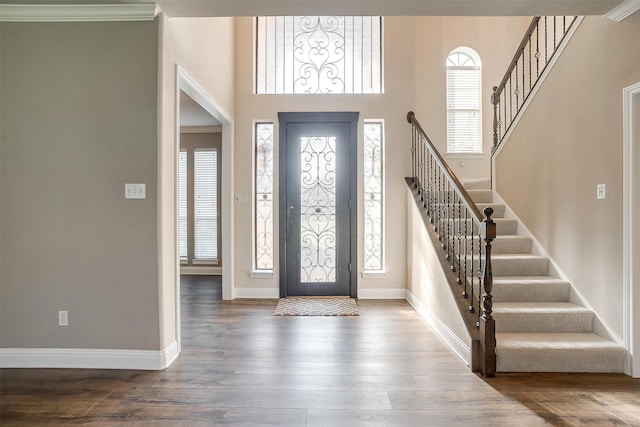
[242, 366]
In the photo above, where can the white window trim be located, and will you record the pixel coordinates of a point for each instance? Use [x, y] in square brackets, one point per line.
[257, 273]
[476, 57]
[383, 237]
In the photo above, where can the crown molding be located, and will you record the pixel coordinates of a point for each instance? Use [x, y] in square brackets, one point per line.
[623, 10]
[77, 12]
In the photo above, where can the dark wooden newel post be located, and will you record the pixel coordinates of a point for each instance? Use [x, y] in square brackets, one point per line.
[487, 322]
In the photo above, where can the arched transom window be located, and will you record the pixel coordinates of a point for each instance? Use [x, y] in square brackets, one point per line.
[463, 101]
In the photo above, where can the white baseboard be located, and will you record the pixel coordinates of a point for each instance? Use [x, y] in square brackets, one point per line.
[259, 293]
[382, 293]
[459, 347]
[88, 358]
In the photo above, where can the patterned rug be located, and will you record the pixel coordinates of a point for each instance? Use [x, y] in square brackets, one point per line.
[300, 306]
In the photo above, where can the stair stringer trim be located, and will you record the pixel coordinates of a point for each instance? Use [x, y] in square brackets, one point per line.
[600, 327]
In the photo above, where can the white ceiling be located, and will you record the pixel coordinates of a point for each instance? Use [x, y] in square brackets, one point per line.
[386, 7]
[192, 114]
[365, 7]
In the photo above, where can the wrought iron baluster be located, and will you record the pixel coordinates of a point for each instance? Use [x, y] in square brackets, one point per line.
[466, 252]
[458, 237]
[421, 167]
[530, 62]
[537, 49]
[413, 156]
[447, 222]
[472, 266]
[517, 91]
[546, 40]
[479, 272]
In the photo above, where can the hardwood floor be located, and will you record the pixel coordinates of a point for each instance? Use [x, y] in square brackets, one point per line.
[241, 365]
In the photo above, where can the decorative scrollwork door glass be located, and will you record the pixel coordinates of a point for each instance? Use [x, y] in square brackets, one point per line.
[318, 209]
[317, 175]
[263, 249]
[373, 203]
[318, 54]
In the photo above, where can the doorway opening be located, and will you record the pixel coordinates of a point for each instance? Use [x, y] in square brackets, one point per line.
[631, 227]
[318, 188]
[198, 111]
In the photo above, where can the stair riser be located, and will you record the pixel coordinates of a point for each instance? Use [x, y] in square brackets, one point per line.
[544, 322]
[504, 227]
[499, 246]
[553, 360]
[533, 266]
[538, 292]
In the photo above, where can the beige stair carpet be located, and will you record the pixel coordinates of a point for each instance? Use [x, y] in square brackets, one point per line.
[537, 328]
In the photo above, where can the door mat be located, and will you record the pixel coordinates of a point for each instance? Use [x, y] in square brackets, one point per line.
[297, 306]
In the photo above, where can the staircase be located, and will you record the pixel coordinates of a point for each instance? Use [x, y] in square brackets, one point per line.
[537, 328]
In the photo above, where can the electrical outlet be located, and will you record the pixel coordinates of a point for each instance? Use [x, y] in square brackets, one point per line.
[63, 318]
[134, 191]
[601, 191]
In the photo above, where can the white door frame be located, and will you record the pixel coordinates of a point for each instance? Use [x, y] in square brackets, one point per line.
[631, 246]
[189, 86]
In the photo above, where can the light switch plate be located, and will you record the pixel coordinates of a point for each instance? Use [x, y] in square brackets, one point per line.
[135, 191]
[601, 191]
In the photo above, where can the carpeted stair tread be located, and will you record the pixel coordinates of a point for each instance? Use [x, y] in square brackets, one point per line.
[558, 352]
[542, 317]
[481, 196]
[538, 329]
[498, 209]
[477, 184]
[530, 288]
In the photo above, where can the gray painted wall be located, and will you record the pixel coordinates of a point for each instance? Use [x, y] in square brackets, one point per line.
[79, 120]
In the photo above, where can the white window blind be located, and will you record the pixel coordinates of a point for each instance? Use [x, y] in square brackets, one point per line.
[318, 54]
[205, 187]
[183, 239]
[463, 104]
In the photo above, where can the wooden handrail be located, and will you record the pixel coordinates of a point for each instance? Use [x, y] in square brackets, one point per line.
[469, 203]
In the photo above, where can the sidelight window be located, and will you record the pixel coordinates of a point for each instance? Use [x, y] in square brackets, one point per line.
[263, 213]
[373, 195]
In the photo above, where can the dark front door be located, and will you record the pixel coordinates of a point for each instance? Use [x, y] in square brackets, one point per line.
[317, 211]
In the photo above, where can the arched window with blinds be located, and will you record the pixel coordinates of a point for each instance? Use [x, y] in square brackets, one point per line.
[463, 101]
